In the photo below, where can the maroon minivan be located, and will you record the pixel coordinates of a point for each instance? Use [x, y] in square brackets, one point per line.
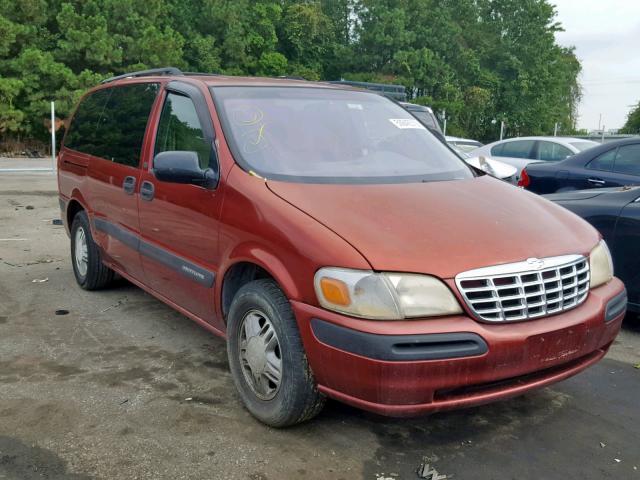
[338, 246]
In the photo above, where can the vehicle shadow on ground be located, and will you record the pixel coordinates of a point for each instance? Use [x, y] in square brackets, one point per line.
[407, 442]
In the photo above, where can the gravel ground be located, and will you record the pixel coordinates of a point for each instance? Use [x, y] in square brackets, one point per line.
[124, 387]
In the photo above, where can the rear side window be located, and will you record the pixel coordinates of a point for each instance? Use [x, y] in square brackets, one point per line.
[123, 123]
[497, 150]
[604, 161]
[518, 149]
[180, 129]
[552, 152]
[84, 125]
[628, 160]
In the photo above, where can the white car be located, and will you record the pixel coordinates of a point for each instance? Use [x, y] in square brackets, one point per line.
[495, 168]
[465, 144]
[521, 151]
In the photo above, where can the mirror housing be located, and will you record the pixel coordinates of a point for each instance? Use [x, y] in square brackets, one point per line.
[181, 166]
[493, 167]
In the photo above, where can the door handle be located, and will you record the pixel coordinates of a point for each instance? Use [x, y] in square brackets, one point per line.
[147, 191]
[129, 185]
[595, 181]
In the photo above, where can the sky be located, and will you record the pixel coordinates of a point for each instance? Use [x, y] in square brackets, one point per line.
[607, 40]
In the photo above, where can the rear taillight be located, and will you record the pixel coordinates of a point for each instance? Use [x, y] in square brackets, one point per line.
[524, 180]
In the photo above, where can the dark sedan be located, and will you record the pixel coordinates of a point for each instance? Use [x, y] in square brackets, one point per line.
[608, 165]
[615, 212]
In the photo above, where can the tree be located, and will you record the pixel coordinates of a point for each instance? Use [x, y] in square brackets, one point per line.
[480, 60]
[632, 125]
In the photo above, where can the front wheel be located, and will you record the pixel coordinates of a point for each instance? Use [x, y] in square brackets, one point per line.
[266, 357]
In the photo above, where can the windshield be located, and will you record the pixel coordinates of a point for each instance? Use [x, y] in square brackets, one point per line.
[331, 136]
[581, 146]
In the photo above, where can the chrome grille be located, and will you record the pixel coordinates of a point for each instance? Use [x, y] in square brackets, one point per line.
[523, 290]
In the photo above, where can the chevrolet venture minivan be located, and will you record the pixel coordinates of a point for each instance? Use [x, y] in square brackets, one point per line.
[338, 246]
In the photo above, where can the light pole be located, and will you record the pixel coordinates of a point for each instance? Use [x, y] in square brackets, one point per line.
[444, 120]
[53, 136]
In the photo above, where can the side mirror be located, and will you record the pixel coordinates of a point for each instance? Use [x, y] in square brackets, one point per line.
[183, 167]
[493, 167]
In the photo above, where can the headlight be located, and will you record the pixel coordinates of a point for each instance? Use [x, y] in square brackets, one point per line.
[391, 296]
[600, 265]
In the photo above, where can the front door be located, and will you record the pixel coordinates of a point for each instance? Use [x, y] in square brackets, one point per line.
[179, 222]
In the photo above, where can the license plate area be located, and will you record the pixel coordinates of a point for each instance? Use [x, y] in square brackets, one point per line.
[558, 346]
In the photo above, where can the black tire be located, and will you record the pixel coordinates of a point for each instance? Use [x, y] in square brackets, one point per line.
[297, 398]
[98, 275]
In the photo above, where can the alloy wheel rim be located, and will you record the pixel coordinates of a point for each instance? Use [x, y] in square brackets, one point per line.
[260, 355]
[81, 252]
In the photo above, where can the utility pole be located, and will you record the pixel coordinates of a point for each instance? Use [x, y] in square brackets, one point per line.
[444, 119]
[53, 136]
[501, 129]
[602, 139]
[599, 121]
[555, 130]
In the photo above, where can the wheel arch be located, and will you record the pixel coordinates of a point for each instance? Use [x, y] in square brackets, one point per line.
[75, 204]
[250, 263]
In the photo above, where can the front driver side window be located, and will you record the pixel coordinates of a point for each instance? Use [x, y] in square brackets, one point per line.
[180, 129]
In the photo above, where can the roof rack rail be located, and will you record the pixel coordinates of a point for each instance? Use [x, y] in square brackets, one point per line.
[201, 74]
[393, 91]
[146, 73]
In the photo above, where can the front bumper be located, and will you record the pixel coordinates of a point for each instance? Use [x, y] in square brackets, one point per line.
[453, 362]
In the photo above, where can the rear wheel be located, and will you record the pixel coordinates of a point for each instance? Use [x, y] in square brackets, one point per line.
[266, 357]
[90, 272]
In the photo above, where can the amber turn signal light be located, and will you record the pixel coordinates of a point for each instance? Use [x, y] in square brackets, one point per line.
[335, 291]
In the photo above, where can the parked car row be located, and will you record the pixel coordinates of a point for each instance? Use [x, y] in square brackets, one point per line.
[523, 151]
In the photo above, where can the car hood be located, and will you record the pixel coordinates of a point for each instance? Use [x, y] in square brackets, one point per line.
[441, 228]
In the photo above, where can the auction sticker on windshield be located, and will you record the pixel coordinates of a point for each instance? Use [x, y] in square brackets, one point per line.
[406, 123]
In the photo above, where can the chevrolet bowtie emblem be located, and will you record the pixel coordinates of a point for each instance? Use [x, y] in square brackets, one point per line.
[535, 263]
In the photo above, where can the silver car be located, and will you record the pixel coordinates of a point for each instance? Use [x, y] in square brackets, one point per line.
[521, 151]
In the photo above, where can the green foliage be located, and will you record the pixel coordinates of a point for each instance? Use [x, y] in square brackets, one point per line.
[480, 60]
[633, 121]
